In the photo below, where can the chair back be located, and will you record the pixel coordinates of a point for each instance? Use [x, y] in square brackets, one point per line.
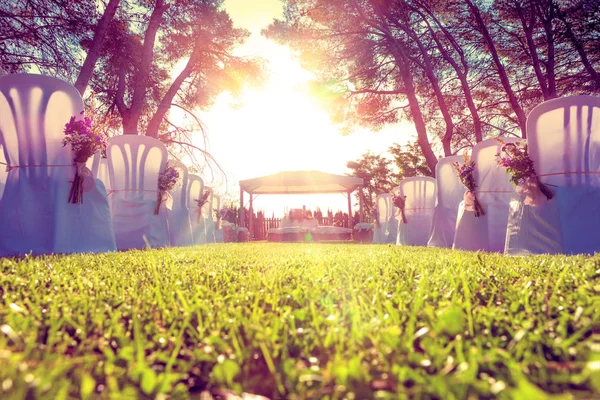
[388, 225]
[385, 208]
[420, 192]
[99, 167]
[215, 201]
[181, 193]
[134, 163]
[195, 188]
[489, 178]
[450, 192]
[494, 192]
[564, 140]
[34, 110]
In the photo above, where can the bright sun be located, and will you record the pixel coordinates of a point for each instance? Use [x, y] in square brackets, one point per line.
[279, 126]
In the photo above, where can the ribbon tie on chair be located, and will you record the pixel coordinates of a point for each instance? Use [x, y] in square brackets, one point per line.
[164, 198]
[88, 182]
[530, 188]
[13, 167]
[473, 204]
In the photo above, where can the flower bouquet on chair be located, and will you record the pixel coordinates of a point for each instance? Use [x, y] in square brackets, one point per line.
[201, 202]
[515, 158]
[166, 181]
[84, 143]
[465, 174]
[400, 202]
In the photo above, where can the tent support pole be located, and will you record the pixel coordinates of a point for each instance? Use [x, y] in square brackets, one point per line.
[360, 204]
[350, 210]
[251, 218]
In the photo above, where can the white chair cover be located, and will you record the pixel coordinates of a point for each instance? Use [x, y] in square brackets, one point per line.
[134, 163]
[209, 209]
[35, 214]
[420, 192]
[99, 167]
[196, 188]
[494, 191]
[180, 227]
[564, 144]
[3, 173]
[450, 192]
[207, 219]
[388, 226]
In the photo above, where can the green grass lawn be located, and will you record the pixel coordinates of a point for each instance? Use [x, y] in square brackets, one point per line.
[300, 321]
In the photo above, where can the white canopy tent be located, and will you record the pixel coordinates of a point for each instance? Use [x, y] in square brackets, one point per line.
[299, 182]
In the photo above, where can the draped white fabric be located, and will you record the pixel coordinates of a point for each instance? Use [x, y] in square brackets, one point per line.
[420, 192]
[564, 144]
[3, 173]
[213, 204]
[196, 188]
[387, 230]
[450, 193]
[134, 164]
[99, 167]
[180, 226]
[494, 192]
[207, 223]
[34, 212]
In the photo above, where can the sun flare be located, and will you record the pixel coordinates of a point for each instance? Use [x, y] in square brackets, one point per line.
[280, 125]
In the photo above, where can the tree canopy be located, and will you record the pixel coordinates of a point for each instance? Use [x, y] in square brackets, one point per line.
[139, 58]
[460, 70]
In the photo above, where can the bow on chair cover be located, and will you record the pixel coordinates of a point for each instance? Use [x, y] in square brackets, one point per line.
[420, 192]
[494, 191]
[34, 210]
[134, 163]
[564, 145]
[450, 192]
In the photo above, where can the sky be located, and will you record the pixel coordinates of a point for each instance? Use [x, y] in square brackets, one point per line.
[279, 126]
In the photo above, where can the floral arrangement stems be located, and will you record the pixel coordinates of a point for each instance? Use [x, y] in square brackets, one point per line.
[166, 181]
[201, 202]
[544, 189]
[465, 174]
[84, 143]
[471, 201]
[514, 157]
[400, 202]
[77, 189]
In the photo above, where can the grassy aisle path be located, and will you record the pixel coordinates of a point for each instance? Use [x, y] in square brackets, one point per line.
[300, 321]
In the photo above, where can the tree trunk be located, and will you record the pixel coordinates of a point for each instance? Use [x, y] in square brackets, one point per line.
[580, 50]
[87, 69]
[460, 73]
[521, 118]
[413, 102]
[435, 84]
[130, 125]
[528, 30]
[550, 63]
[165, 103]
[415, 111]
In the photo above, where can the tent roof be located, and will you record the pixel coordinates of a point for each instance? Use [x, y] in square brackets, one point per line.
[301, 182]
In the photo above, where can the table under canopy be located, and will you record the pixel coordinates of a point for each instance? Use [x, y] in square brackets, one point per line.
[300, 182]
